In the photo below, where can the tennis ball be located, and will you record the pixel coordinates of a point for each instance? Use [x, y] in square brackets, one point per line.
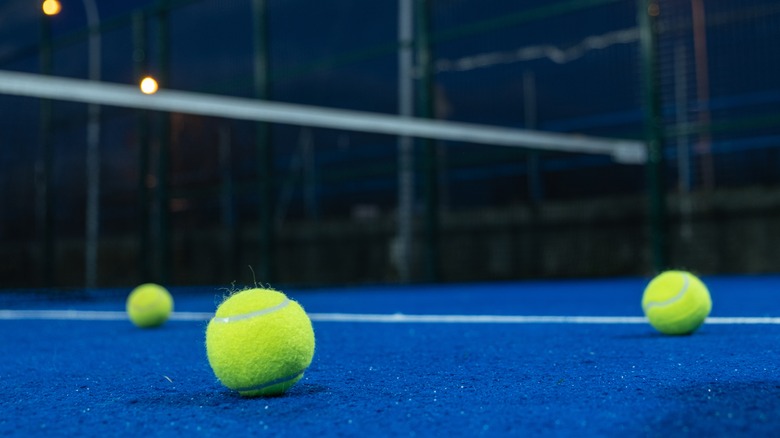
[676, 302]
[259, 342]
[149, 305]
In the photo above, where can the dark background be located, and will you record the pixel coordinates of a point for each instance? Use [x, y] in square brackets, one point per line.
[506, 213]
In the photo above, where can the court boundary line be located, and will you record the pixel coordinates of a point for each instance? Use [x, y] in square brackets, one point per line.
[394, 318]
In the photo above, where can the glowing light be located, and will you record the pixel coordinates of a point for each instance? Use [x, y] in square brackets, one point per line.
[149, 85]
[654, 10]
[51, 7]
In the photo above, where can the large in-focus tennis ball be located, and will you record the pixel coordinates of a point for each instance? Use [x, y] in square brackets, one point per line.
[149, 305]
[259, 342]
[676, 302]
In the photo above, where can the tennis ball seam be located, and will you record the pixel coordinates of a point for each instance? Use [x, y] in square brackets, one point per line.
[250, 315]
[650, 304]
[150, 305]
[683, 312]
[274, 382]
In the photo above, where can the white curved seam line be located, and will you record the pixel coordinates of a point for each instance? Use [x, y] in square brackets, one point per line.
[139, 307]
[673, 299]
[272, 382]
[244, 316]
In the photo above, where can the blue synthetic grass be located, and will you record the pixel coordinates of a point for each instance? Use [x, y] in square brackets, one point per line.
[75, 378]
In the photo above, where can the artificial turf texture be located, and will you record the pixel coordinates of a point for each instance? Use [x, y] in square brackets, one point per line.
[410, 379]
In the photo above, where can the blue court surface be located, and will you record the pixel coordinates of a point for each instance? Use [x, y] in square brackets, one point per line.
[558, 358]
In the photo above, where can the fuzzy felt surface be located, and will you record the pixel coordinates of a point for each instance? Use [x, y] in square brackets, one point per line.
[149, 305]
[259, 342]
[676, 302]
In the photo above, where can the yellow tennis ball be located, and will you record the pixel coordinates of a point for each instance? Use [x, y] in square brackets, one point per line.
[259, 342]
[149, 305]
[676, 302]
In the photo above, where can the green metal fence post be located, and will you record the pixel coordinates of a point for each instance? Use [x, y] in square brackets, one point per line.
[164, 137]
[648, 11]
[425, 109]
[263, 143]
[140, 66]
[45, 176]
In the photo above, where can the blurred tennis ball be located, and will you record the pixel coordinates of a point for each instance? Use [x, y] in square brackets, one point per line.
[259, 342]
[676, 302]
[149, 305]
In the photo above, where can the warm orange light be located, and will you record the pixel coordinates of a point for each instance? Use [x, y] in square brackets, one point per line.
[654, 10]
[51, 7]
[149, 85]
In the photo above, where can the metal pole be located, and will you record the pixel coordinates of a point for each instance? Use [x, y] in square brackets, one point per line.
[227, 204]
[93, 151]
[648, 11]
[683, 153]
[263, 141]
[142, 126]
[405, 143]
[425, 105]
[704, 145]
[309, 175]
[43, 168]
[535, 183]
[535, 188]
[163, 164]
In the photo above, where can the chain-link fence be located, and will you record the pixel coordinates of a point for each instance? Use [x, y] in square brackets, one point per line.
[195, 199]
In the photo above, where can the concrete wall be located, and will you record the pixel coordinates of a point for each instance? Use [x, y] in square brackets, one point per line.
[733, 231]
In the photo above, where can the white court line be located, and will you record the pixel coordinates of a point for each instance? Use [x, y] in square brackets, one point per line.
[396, 318]
[475, 319]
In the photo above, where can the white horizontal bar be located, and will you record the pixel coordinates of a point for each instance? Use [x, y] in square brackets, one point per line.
[103, 93]
[68, 315]
[396, 318]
